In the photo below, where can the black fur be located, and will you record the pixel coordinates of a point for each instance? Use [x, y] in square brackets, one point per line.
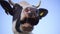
[6, 6]
[18, 9]
[18, 25]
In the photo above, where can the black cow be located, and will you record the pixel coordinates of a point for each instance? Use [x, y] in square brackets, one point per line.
[25, 16]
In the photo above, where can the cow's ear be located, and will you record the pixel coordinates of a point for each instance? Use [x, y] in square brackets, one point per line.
[6, 6]
[42, 12]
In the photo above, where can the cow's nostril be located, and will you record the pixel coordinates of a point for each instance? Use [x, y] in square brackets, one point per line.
[30, 14]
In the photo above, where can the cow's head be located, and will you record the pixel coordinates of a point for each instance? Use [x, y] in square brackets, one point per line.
[26, 15]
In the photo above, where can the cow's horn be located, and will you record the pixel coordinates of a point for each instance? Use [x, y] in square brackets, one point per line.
[38, 4]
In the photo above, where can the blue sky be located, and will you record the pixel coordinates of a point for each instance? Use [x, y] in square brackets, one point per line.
[47, 25]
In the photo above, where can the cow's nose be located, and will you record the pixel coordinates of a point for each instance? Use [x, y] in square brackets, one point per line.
[30, 14]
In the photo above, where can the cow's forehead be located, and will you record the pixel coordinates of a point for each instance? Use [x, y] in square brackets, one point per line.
[25, 4]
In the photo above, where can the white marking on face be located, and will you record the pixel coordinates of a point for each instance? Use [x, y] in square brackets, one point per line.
[13, 27]
[22, 15]
[24, 4]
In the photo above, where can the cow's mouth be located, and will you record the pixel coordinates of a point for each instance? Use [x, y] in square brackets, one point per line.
[32, 21]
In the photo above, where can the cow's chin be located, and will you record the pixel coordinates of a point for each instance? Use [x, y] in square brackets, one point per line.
[25, 29]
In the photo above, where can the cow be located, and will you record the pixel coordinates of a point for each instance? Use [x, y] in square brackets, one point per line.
[25, 15]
